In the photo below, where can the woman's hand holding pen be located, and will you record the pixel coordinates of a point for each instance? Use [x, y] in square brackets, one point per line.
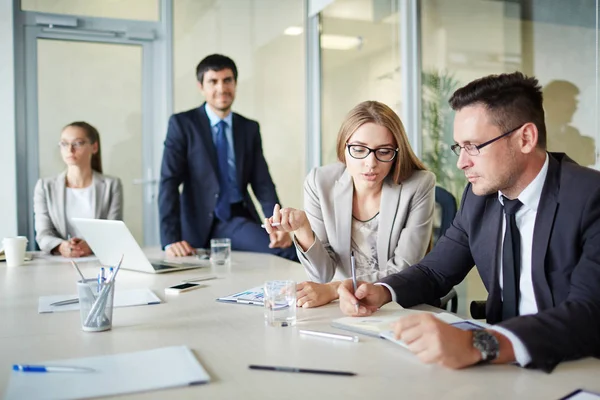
[368, 296]
[291, 220]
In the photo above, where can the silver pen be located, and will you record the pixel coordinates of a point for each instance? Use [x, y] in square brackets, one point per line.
[65, 302]
[353, 267]
[330, 335]
[272, 224]
[200, 278]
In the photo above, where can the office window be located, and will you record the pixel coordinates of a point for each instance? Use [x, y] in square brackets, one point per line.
[141, 10]
[552, 40]
[360, 61]
[265, 39]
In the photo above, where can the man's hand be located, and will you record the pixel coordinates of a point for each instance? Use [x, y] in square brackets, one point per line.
[435, 341]
[312, 294]
[368, 296]
[179, 249]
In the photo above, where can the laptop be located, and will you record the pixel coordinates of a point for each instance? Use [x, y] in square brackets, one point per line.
[110, 239]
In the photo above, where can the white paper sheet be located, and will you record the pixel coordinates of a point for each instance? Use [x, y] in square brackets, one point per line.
[54, 258]
[123, 298]
[165, 367]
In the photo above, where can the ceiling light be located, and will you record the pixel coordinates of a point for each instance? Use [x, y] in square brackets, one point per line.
[293, 31]
[340, 42]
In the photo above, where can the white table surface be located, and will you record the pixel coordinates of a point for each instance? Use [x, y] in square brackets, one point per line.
[226, 338]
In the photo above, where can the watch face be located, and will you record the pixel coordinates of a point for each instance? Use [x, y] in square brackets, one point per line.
[487, 344]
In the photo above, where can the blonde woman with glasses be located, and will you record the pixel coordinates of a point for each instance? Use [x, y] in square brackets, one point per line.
[377, 203]
[80, 191]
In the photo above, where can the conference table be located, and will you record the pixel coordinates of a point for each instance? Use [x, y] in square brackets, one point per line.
[226, 338]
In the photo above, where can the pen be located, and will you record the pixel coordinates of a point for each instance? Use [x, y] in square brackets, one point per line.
[65, 302]
[272, 224]
[353, 265]
[304, 370]
[102, 274]
[329, 335]
[200, 278]
[47, 368]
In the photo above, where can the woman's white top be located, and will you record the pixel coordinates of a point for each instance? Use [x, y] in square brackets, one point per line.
[79, 204]
[364, 245]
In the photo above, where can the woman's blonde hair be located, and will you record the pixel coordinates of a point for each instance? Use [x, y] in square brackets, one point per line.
[378, 113]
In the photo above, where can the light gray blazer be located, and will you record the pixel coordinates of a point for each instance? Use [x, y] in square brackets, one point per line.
[49, 206]
[405, 222]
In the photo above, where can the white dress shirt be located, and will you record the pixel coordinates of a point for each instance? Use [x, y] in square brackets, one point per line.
[79, 204]
[525, 218]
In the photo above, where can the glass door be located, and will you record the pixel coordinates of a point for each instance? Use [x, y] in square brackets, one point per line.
[106, 82]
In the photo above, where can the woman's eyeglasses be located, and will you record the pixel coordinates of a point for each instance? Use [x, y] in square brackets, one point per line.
[78, 144]
[383, 154]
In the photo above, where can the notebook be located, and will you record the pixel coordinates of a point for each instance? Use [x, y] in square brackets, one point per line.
[380, 323]
[166, 367]
[123, 298]
[254, 296]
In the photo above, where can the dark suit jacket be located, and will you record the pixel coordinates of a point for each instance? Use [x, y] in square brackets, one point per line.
[565, 264]
[190, 157]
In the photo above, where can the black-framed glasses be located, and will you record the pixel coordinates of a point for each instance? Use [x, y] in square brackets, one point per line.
[383, 154]
[473, 149]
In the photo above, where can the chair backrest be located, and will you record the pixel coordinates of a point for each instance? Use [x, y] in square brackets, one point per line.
[447, 203]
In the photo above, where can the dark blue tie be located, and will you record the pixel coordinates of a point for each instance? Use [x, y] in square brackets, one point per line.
[511, 260]
[223, 210]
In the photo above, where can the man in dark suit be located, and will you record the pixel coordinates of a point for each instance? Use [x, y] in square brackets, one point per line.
[215, 154]
[529, 220]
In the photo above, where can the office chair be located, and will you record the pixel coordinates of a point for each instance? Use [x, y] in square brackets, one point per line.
[447, 203]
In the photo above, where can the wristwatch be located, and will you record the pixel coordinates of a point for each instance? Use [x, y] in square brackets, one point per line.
[487, 344]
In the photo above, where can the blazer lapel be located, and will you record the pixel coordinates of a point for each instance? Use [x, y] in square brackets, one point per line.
[60, 188]
[99, 189]
[541, 235]
[491, 224]
[342, 195]
[239, 147]
[205, 132]
[390, 200]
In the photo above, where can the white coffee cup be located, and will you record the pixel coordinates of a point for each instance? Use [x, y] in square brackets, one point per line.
[14, 250]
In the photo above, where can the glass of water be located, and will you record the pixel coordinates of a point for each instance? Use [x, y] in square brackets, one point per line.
[220, 251]
[280, 303]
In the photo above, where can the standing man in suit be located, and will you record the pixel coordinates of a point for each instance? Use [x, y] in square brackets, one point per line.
[529, 220]
[215, 154]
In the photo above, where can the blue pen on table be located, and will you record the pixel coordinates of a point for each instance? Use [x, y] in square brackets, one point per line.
[102, 274]
[353, 265]
[49, 368]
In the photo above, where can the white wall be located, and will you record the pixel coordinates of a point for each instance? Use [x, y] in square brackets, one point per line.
[8, 201]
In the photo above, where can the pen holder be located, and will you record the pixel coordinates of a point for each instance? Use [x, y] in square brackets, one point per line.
[96, 305]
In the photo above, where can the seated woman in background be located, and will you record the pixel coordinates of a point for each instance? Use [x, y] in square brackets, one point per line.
[377, 202]
[80, 191]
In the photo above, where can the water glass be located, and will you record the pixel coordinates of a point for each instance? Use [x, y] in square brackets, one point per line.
[220, 251]
[280, 303]
[96, 304]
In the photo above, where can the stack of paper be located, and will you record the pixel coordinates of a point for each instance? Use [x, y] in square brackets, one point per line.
[162, 368]
[123, 298]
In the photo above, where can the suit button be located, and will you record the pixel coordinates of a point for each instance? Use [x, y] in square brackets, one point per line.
[216, 195]
[210, 215]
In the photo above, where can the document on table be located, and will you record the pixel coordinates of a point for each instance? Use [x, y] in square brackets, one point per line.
[163, 368]
[54, 258]
[254, 296]
[123, 298]
[380, 323]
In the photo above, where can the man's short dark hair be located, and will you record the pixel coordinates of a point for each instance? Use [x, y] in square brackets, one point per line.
[215, 62]
[511, 100]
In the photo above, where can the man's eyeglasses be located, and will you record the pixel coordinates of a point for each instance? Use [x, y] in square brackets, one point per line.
[473, 149]
[78, 144]
[383, 154]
